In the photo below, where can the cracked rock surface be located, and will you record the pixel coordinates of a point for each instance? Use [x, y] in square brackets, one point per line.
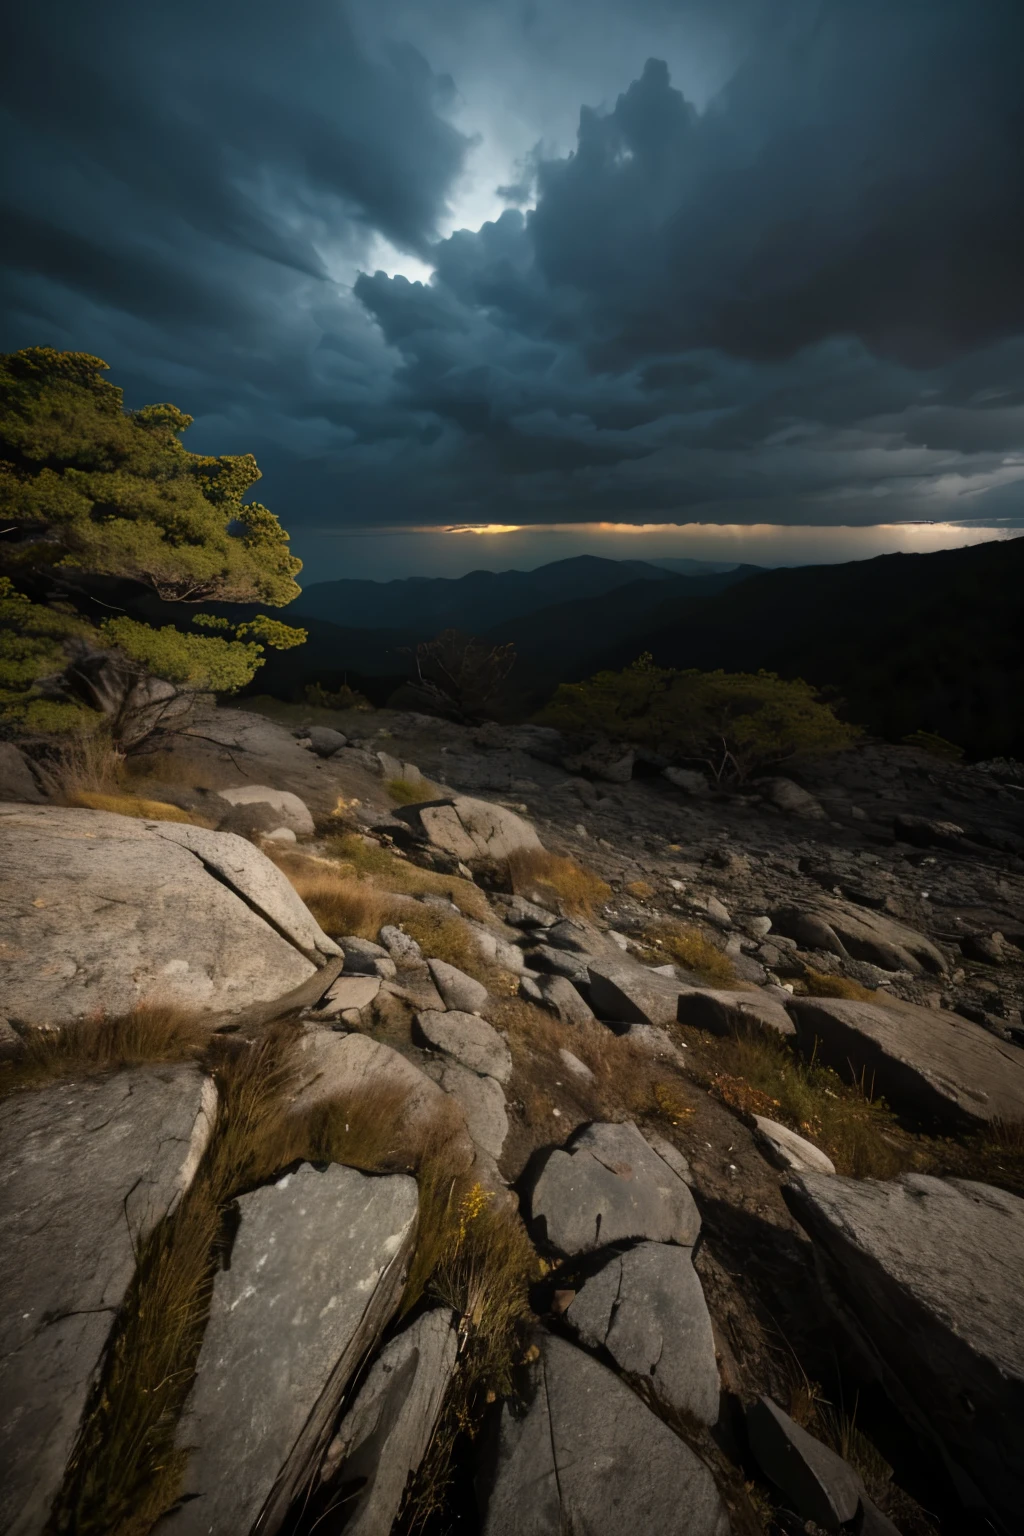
[87, 1170]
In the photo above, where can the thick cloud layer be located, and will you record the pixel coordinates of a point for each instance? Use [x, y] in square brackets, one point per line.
[791, 294]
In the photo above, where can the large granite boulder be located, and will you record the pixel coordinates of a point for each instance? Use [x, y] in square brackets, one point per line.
[470, 829]
[469, 1040]
[101, 912]
[926, 1274]
[856, 933]
[588, 1456]
[385, 1433]
[87, 1170]
[609, 1185]
[818, 1484]
[923, 1059]
[290, 811]
[460, 992]
[647, 1309]
[730, 1013]
[316, 1271]
[622, 992]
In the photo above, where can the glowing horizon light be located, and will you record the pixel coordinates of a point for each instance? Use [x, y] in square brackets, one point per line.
[484, 528]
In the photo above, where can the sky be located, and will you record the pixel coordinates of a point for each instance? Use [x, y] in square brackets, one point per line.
[718, 278]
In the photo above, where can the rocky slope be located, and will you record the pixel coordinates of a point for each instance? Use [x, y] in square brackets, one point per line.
[426, 1134]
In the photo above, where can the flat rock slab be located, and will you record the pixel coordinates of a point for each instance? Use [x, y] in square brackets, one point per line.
[101, 912]
[349, 992]
[385, 1433]
[469, 1040]
[857, 933]
[562, 998]
[471, 829]
[922, 1059]
[87, 1170]
[316, 1271]
[587, 1456]
[482, 1103]
[818, 1484]
[460, 992]
[647, 1308]
[926, 1274]
[624, 993]
[730, 1013]
[786, 1149]
[608, 1186]
[290, 810]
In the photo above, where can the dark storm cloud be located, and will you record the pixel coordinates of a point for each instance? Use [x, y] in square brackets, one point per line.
[801, 302]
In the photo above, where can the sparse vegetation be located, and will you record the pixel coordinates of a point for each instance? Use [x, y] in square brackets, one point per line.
[555, 879]
[341, 903]
[691, 949]
[401, 876]
[732, 723]
[458, 676]
[132, 805]
[319, 697]
[149, 1033]
[756, 1075]
[934, 745]
[818, 984]
[411, 791]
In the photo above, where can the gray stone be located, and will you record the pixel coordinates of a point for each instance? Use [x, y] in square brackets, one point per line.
[922, 832]
[385, 1433]
[17, 781]
[718, 912]
[559, 994]
[787, 1150]
[292, 812]
[608, 1186]
[326, 742]
[529, 989]
[87, 1170]
[349, 992]
[558, 962]
[818, 1484]
[575, 937]
[631, 994]
[472, 1041]
[925, 1273]
[101, 912]
[252, 821]
[688, 780]
[730, 1013]
[281, 835]
[679, 1164]
[458, 990]
[316, 1271]
[856, 933]
[790, 797]
[482, 1103]
[573, 1064]
[361, 955]
[471, 829]
[521, 913]
[587, 1456]
[403, 949]
[12, 1046]
[924, 1059]
[647, 1308]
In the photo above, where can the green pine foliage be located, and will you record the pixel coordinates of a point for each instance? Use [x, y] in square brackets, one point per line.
[87, 490]
[733, 723]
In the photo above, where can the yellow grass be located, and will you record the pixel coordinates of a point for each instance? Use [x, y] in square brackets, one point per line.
[149, 1033]
[690, 948]
[556, 879]
[391, 873]
[819, 984]
[131, 805]
[411, 791]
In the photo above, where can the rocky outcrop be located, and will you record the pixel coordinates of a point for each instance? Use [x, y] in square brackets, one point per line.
[87, 1170]
[786, 1149]
[730, 1013]
[459, 991]
[290, 811]
[926, 1273]
[383, 1436]
[586, 1455]
[470, 829]
[17, 780]
[647, 1309]
[921, 1059]
[101, 912]
[859, 934]
[625, 993]
[469, 1040]
[817, 1483]
[316, 1271]
[609, 1186]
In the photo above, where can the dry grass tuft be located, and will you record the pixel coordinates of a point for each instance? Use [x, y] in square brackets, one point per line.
[690, 948]
[445, 936]
[341, 902]
[819, 984]
[152, 1032]
[131, 805]
[555, 878]
[393, 874]
[191, 770]
[642, 890]
[125, 1470]
[755, 1074]
[86, 762]
[411, 791]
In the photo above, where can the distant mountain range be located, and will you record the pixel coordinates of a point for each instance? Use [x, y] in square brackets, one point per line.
[931, 642]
